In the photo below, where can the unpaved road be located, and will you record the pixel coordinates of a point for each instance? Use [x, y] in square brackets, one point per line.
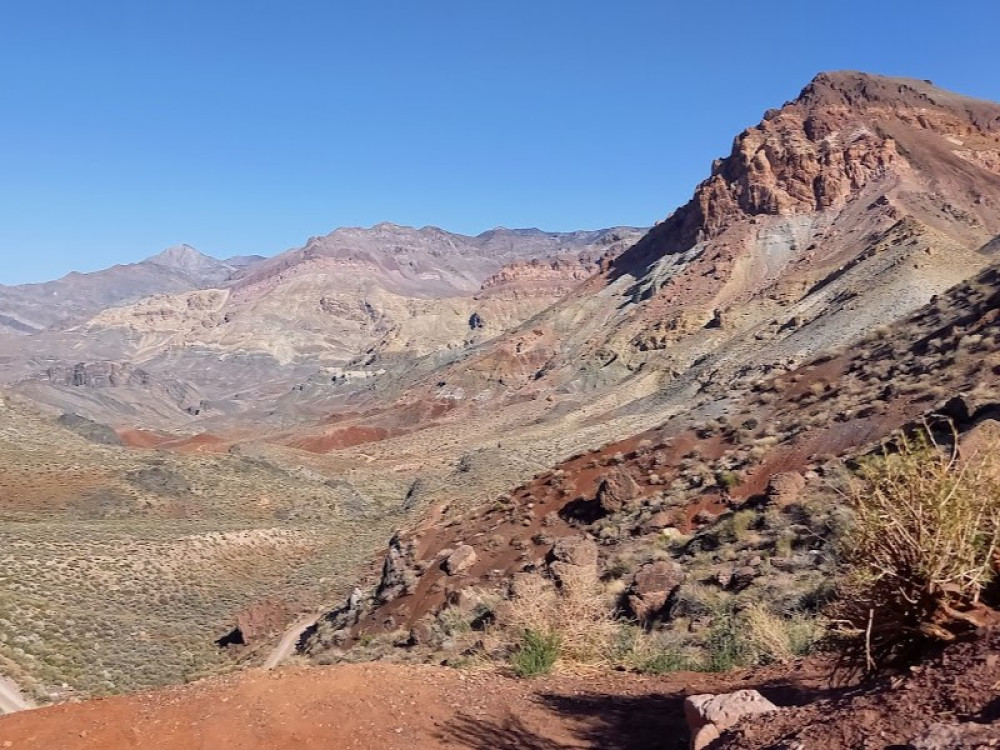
[11, 699]
[288, 642]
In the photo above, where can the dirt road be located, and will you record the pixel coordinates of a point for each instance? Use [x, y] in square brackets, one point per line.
[286, 647]
[11, 699]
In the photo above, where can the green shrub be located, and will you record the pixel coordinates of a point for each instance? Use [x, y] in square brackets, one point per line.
[536, 655]
[665, 662]
[727, 644]
[729, 479]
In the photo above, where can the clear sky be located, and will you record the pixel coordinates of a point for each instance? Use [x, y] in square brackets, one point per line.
[245, 126]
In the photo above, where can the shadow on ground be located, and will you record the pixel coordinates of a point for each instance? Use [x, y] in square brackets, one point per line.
[611, 722]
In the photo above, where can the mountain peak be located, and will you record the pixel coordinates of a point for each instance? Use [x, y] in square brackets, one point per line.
[184, 258]
[858, 91]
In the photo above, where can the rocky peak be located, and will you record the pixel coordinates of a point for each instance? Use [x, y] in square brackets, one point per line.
[845, 131]
[185, 258]
[841, 133]
[852, 89]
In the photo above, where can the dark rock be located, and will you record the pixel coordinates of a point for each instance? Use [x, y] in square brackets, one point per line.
[742, 577]
[159, 479]
[651, 588]
[617, 491]
[93, 431]
[395, 567]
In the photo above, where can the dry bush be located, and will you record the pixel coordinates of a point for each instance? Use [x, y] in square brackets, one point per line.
[923, 547]
[578, 613]
[780, 639]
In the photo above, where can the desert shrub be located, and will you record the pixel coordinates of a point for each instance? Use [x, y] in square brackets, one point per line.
[665, 662]
[578, 613]
[923, 547]
[537, 653]
[727, 644]
[729, 479]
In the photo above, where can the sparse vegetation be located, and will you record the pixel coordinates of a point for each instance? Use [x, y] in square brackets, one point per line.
[536, 654]
[923, 546]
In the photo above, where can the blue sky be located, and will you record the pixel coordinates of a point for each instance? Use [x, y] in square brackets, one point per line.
[245, 127]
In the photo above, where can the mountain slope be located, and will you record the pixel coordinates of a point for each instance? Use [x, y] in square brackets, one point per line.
[847, 208]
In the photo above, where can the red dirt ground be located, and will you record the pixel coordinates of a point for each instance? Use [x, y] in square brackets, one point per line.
[134, 438]
[961, 685]
[384, 706]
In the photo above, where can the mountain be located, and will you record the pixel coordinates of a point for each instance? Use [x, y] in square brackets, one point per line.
[186, 260]
[671, 449]
[849, 206]
[347, 305]
[846, 209]
[32, 308]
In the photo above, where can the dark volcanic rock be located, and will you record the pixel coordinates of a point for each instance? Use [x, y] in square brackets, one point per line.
[93, 431]
[617, 491]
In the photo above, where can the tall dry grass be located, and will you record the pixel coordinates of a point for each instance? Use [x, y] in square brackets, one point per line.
[578, 614]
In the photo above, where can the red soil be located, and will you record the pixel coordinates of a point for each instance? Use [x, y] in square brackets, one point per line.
[134, 438]
[345, 438]
[384, 706]
[203, 443]
[961, 685]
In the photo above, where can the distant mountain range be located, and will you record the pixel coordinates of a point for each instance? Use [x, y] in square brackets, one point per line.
[354, 299]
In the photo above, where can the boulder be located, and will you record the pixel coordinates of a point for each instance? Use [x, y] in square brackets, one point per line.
[659, 521]
[709, 715]
[652, 586]
[459, 561]
[574, 551]
[785, 488]
[617, 491]
[741, 577]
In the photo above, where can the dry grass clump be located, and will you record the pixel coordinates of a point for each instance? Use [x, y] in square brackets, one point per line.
[780, 639]
[923, 547]
[575, 617]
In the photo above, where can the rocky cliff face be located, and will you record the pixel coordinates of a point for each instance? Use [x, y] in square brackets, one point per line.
[845, 131]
